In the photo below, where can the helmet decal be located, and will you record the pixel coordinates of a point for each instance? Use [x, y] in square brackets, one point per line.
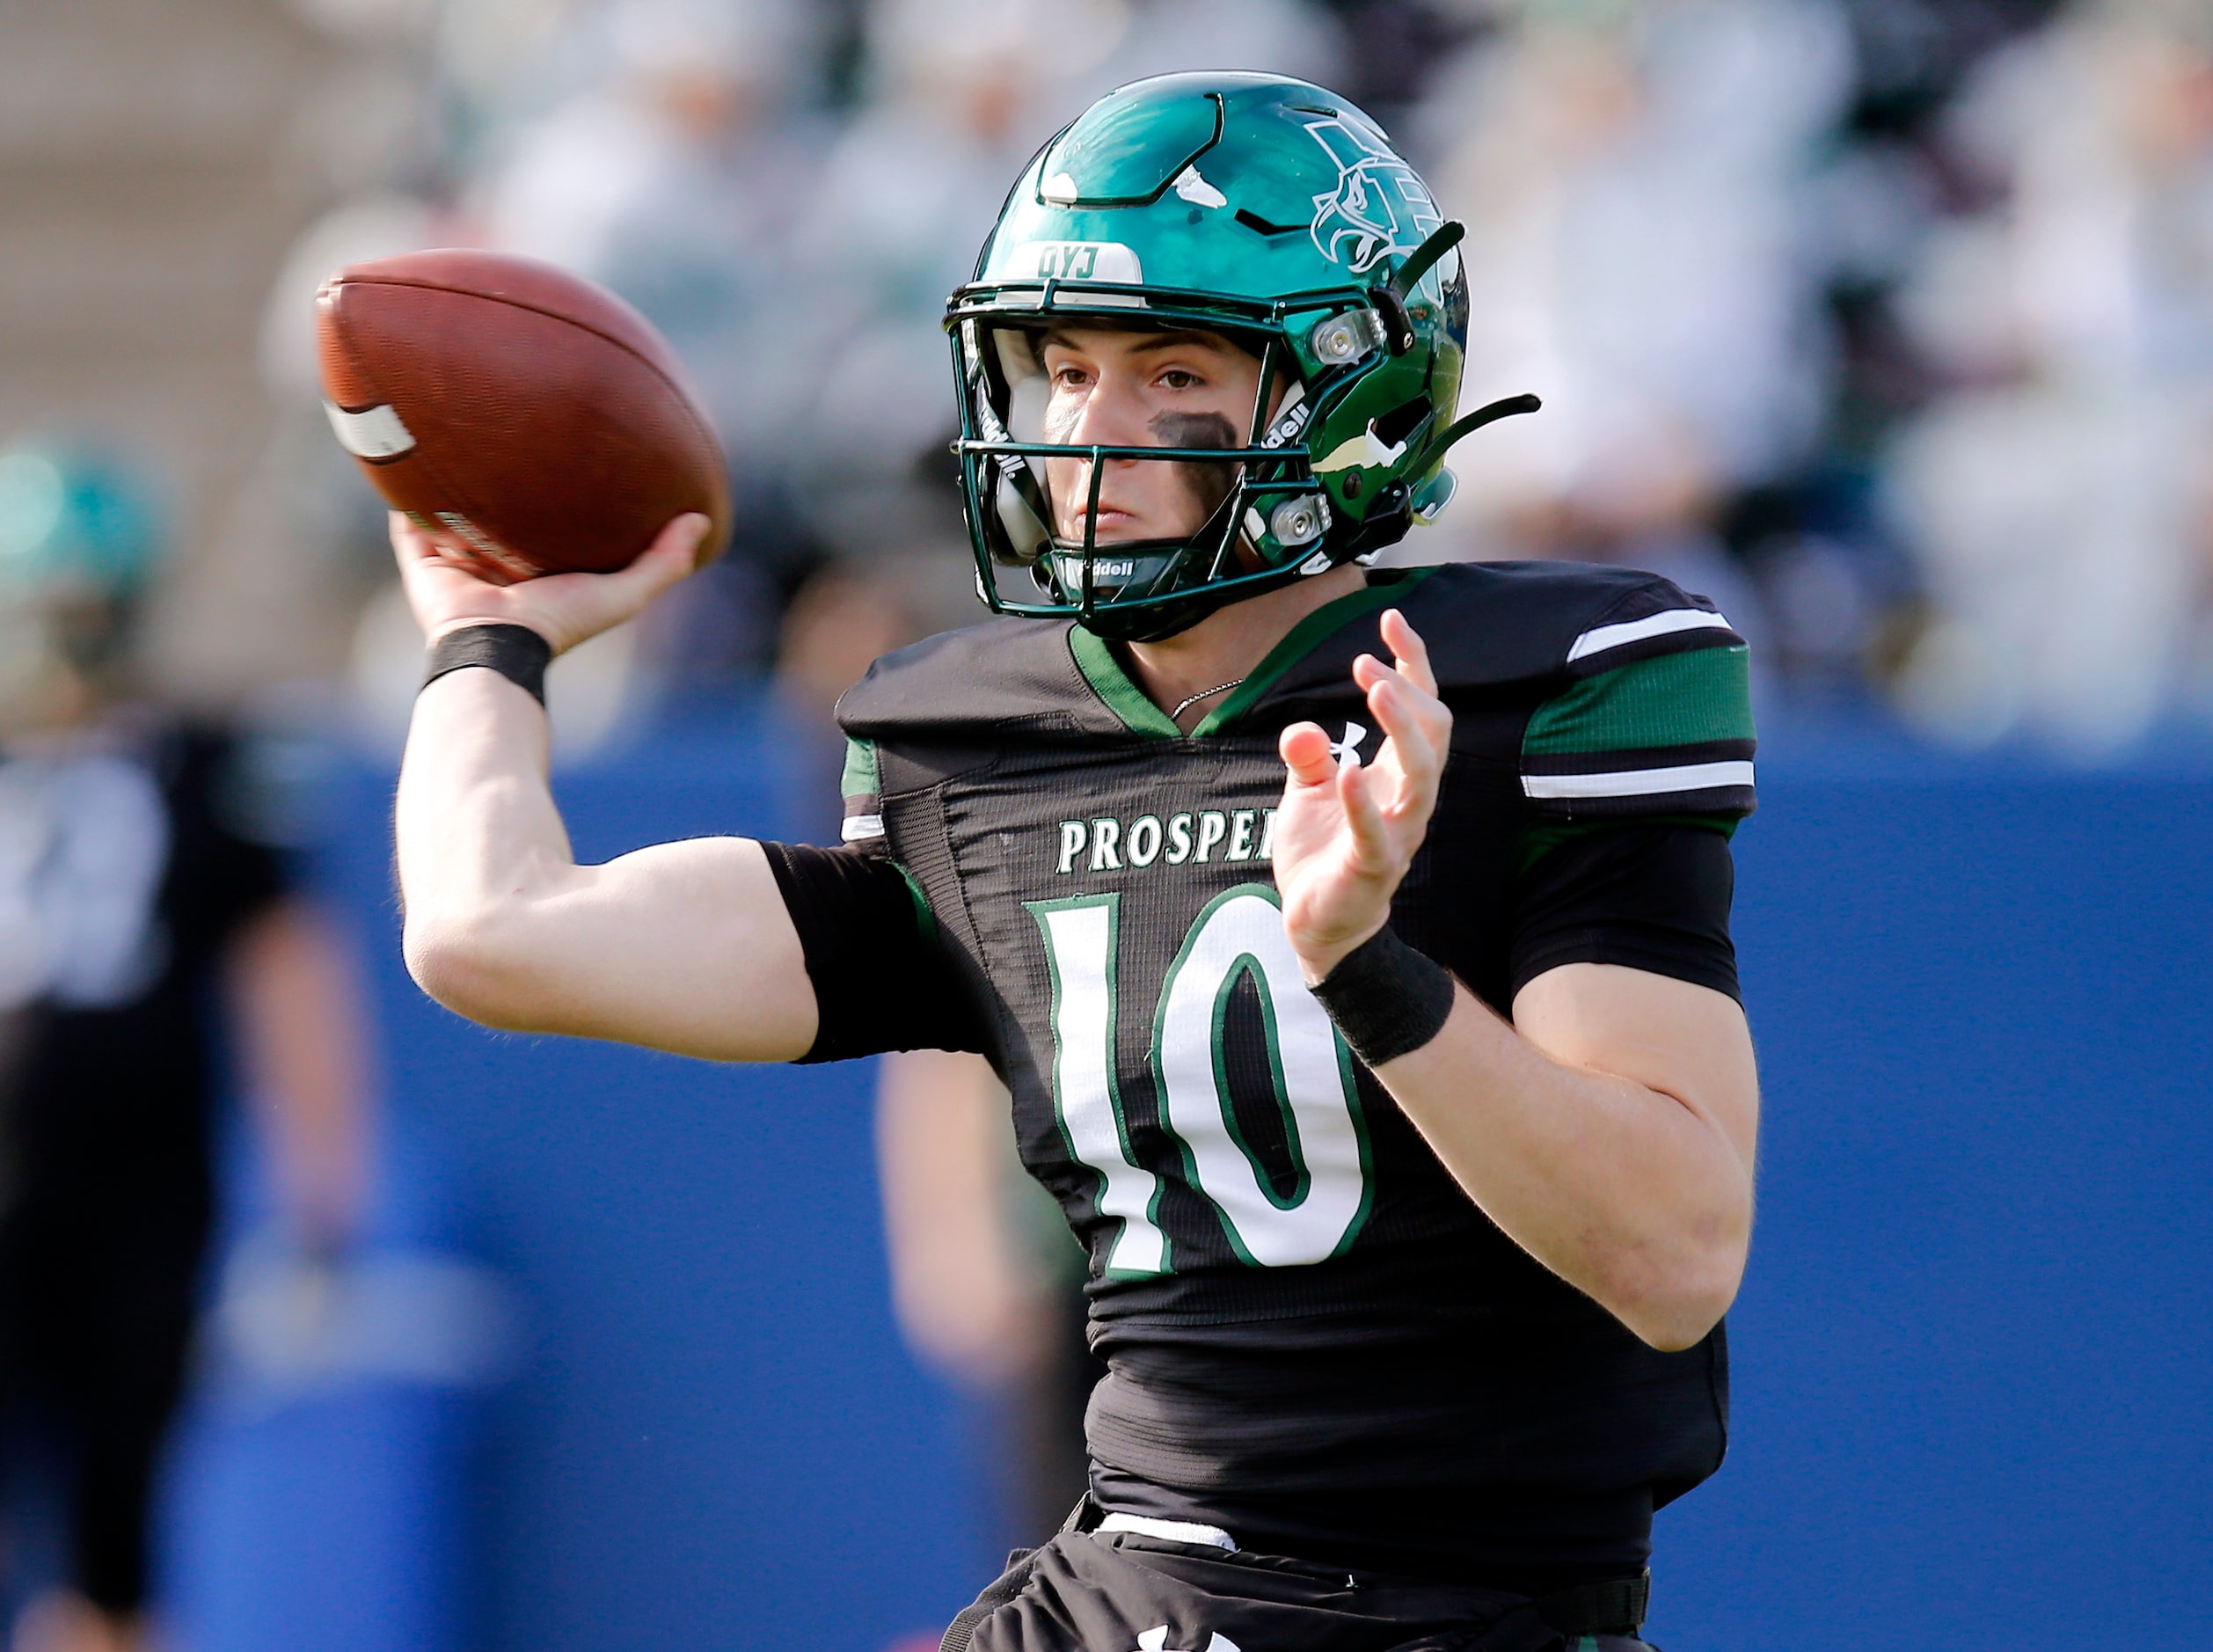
[1359, 210]
[1077, 261]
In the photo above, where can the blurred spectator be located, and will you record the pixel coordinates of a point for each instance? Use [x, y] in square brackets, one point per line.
[2058, 492]
[142, 874]
[960, 93]
[674, 171]
[1392, 52]
[986, 1282]
[1631, 178]
[837, 624]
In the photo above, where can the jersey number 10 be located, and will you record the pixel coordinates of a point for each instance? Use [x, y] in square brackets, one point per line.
[1239, 932]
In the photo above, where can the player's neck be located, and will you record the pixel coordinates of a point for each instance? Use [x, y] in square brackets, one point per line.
[1222, 649]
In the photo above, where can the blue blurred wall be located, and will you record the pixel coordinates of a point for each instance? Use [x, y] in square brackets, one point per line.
[1972, 1390]
[1971, 1359]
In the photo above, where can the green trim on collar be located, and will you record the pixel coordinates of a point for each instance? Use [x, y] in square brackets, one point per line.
[1095, 658]
[1299, 641]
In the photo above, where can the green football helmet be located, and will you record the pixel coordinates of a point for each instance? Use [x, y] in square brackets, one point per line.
[1271, 213]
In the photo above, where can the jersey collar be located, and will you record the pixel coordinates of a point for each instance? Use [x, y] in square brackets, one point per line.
[1102, 669]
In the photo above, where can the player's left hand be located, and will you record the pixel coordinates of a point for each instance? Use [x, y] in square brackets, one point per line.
[1348, 830]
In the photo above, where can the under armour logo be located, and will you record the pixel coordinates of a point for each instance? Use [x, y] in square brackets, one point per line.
[1347, 749]
[1156, 1640]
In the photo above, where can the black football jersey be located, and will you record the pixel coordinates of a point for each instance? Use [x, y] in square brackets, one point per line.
[1316, 1340]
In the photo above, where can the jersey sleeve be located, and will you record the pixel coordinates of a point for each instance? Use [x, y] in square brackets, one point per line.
[881, 981]
[864, 827]
[1646, 895]
[1655, 718]
[1637, 772]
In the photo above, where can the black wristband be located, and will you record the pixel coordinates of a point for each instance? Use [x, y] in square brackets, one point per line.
[515, 652]
[1387, 999]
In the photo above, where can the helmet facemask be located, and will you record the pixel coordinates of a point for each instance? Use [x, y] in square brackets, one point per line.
[1258, 506]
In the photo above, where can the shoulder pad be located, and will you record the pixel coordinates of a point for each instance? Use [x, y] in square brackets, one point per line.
[1652, 715]
[1487, 623]
[987, 682]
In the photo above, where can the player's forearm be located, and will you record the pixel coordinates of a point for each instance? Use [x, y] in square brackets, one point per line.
[479, 841]
[684, 947]
[1633, 1196]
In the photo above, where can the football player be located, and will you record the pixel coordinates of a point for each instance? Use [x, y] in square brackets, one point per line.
[1354, 943]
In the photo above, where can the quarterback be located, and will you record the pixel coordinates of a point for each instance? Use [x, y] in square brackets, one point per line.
[1354, 943]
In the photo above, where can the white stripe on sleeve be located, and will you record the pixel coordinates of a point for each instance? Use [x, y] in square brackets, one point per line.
[1175, 1530]
[862, 826]
[1631, 630]
[1695, 777]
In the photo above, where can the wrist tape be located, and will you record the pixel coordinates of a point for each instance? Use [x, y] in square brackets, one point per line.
[515, 652]
[1387, 999]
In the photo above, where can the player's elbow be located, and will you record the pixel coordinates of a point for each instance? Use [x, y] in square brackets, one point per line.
[1675, 1307]
[464, 964]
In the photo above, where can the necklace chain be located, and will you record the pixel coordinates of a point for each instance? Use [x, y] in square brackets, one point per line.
[1183, 706]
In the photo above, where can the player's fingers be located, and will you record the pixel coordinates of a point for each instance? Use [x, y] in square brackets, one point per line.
[1414, 754]
[688, 533]
[1416, 713]
[1372, 847]
[666, 561]
[410, 544]
[1305, 752]
[1405, 642]
[1435, 717]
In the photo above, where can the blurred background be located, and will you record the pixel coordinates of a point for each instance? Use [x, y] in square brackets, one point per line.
[331, 1322]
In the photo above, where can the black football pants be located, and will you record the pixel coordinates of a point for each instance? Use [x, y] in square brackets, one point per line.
[95, 1317]
[1123, 1592]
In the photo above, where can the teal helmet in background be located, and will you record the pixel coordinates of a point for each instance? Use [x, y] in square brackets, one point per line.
[1272, 212]
[74, 524]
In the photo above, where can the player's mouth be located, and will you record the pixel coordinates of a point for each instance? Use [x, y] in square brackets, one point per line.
[1113, 522]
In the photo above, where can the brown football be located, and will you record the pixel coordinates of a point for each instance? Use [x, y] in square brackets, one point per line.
[528, 420]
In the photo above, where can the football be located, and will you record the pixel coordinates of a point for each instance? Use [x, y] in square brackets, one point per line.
[528, 422]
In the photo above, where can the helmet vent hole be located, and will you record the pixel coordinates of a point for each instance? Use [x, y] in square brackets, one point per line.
[1258, 225]
[1403, 421]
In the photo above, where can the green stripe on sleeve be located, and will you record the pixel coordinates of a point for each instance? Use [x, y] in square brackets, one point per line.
[1676, 699]
[859, 780]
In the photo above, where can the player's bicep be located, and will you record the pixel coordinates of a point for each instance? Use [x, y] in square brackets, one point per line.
[683, 947]
[1685, 1040]
[1622, 963]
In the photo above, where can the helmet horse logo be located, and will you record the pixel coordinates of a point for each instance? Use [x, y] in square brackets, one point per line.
[1379, 205]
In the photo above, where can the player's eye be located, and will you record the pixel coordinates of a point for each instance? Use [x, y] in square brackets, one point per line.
[1180, 378]
[1069, 377]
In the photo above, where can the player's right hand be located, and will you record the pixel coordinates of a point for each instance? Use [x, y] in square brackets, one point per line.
[564, 608]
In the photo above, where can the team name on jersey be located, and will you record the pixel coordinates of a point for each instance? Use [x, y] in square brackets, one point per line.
[1196, 838]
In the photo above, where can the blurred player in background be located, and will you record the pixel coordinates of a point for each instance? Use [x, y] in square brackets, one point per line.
[142, 881]
[988, 1287]
[1234, 860]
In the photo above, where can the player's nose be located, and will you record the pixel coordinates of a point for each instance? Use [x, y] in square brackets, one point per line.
[1112, 415]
